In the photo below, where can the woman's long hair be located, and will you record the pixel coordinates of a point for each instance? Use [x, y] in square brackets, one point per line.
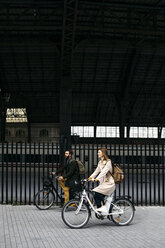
[105, 153]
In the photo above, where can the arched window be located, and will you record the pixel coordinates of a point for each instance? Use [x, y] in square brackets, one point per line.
[44, 133]
[20, 133]
[8, 133]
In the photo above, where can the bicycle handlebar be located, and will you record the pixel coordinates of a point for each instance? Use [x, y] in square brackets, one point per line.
[89, 180]
[53, 175]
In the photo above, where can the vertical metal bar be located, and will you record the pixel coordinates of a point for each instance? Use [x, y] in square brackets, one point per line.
[124, 184]
[12, 186]
[150, 175]
[114, 160]
[93, 150]
[97, 147]
[39, 160]
[137, 178]
[7, 171]
[154, 176]
[57, 164]
[158, 174]
[115, 151]
[88, 159]
[52, 156]
[2, 177]
[128, 170]
[43, 149]
[163, 175]
[133, 171]
[75, 150]
[96, 159]
[79, 151]
[115, 193]
[25, 176]
[84, 152]
[48, 158]
[16, 181]
[146, 180]
[20, 173]
[30, 173]
[141, 152]
[88, 152]
[34, 169]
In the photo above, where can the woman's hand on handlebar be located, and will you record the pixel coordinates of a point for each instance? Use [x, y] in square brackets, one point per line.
[93, 179]
[53, 173]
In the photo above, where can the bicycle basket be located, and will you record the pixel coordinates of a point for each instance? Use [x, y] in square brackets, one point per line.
[47, 182]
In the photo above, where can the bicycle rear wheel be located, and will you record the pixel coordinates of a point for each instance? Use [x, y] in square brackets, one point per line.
[122, 212]
[73, 216]
[44, 199]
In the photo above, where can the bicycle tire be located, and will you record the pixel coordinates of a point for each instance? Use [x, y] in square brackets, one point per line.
[124, 218]
[44, 199]
[73, 219]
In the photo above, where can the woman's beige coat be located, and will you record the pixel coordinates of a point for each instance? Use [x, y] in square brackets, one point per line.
[107, 184]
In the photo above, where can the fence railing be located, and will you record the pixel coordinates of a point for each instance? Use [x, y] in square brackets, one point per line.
[22, 166]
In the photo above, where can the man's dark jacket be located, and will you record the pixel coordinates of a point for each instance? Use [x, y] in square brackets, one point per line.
[71, 172]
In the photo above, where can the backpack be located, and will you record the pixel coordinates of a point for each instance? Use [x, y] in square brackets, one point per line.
[81, 167]
[118, 174]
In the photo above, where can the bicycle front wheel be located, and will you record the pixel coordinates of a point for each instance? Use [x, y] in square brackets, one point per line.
[122, 211]
[73, 216]
[44, 199]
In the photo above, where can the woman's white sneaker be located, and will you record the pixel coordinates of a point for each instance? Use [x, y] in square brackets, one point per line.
[102, 209]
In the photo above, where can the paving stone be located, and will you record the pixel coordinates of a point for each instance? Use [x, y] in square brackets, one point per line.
[28, 227]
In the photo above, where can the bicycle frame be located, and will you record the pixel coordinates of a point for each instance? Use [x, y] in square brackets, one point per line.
[85, 196]
[56, 191]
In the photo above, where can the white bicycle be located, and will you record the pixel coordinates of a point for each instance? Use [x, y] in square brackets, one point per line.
[76, 213]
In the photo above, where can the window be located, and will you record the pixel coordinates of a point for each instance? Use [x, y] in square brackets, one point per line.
[44, 133]
[20, 133]
[107, 132]
[16, 115]
[143, 132]
[83, 131]
[152, 132]
[163, 133]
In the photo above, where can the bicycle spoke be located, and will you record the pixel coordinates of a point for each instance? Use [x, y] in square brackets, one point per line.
[122, 212]
[74, 215]
[44, 199]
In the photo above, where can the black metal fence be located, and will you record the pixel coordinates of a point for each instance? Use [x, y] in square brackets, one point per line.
[22, 166]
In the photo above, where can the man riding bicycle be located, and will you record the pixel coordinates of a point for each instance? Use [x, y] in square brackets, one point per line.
[71, 174]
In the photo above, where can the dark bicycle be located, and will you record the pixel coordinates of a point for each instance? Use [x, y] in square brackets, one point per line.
[49, 195]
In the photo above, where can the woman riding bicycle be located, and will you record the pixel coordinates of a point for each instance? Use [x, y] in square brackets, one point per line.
[107, 184]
